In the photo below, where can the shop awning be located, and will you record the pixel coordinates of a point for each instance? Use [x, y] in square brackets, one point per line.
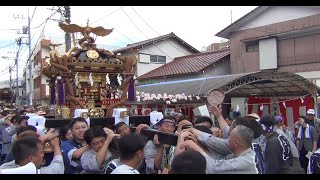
[262, 84]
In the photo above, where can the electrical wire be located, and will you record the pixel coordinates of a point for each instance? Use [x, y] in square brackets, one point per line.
[7, 45]
[47, 18]
[115, 29]
[34, 11]
[41, 34]
[105, 16]
[144, 34]
[157, 32]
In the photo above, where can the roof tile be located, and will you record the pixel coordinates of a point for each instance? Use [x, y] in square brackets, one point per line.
[187, 64]
[153, 40]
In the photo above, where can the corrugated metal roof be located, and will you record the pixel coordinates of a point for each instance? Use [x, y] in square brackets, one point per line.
[189, 87]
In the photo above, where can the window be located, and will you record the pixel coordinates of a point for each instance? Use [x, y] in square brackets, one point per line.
[268, 54]
[37, 82]
[162, 59]
[144, 58]
[147, 58]
[157, 59]
[153, 58]
[252, 47]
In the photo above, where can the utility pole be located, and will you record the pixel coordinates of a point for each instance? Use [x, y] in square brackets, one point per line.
[17, 67]
[10, 78]
[68, 21]
[27, 30]
[10, 70]
[30, 64]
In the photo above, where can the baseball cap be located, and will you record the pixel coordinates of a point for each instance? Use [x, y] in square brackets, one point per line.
[311, 111]
[166, 120]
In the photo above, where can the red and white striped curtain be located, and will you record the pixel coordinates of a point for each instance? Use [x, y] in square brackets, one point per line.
[290, 110]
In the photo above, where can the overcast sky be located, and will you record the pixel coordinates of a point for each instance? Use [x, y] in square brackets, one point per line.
[196, 25]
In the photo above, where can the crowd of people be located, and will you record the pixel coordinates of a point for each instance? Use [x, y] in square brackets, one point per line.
[238, 144]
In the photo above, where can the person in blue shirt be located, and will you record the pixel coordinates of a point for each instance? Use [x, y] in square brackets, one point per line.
[72, 150]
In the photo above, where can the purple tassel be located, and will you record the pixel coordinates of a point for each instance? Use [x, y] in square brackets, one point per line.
[53, 94]
[65, 95]
[131, 94]
[60, 92]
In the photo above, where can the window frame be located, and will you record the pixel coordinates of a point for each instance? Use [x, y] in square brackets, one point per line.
[152, 61]
[158, 62]
[254, 47]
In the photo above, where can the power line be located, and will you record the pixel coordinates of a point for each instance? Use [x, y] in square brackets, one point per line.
[47, 19]
[156, 31]
[7, 45]
[134, 23]
[41, 35]
[23, 52]
[9, 29]
[13, 62]
[3, 72]
[115, 29]
[26, 48]
[34, 11]
[123, 35]
[35, 34]
[143, 33]
[132, 40]
[120, 33]
[106, 16]
[129, 38]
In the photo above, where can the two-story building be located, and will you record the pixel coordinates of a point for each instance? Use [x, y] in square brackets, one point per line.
[284, 38]
[155, 52]
[39, 92]
[280, 39]
[270, 48]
